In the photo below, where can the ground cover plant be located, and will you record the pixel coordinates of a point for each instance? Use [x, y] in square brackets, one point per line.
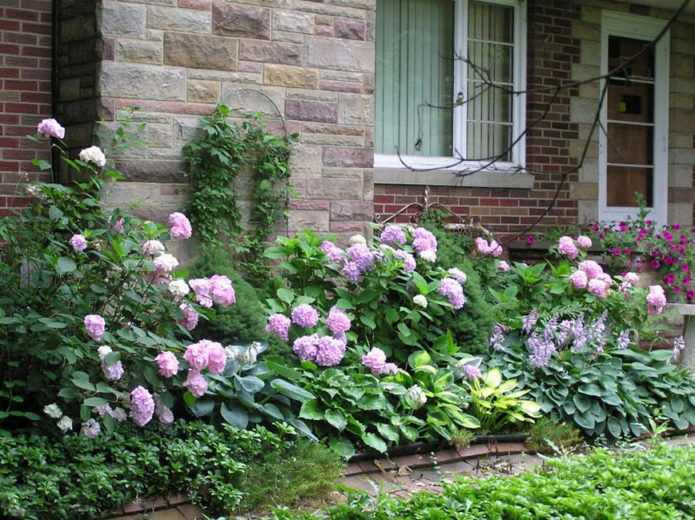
[656, 483]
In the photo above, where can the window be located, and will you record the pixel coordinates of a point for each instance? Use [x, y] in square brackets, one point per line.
[633, 147]
[435, 60]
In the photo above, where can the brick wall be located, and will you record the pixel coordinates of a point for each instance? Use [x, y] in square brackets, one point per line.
[311, 63]
[25, 94]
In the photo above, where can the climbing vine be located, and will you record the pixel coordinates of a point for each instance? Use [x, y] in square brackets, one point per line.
[224, 150]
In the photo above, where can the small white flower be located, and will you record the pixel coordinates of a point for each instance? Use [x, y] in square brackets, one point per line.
[248, 356]
[428, 255]
[232, 351]
[65, 423]
[118, 414]
[93, 154]
[357, 239]
[152, 247]
[416, 396]
[179, 288]
[52, 410]
[420, 300]
[90, 429]
[33, 189]
[166, 262]
[103, 351]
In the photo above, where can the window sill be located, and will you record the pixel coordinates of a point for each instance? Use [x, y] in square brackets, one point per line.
[483, 179]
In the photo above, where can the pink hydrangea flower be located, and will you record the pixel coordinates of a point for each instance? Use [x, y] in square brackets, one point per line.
[196, 384]
[453, 291]
[584, 242]
[166, 262]
[180, 226]
[598, 288]
[279, 324]
[217, 358]
[656, 300]
[408, 260]
[424, 240]
[90, 429]
[78, 242]
[152, 247]
[503, 266]
[112, 372]
[190, 317]
[389, 368]
[337, 321]
[493, 248]
[631, 278]
[305, 316]
[392, 235]
[202, 288]
[591, 268]
[352, 272]
[329, 351]
[565, 246]
[305, 347]
[362, 256]
[118, 226]
[336, 255]
[163, 413]
[95, 326]
[222, 291]
[167, 363]
[579, 279]
[197, 355]
[375, 360]
[141, 406]
[50, 128]
[458, 275]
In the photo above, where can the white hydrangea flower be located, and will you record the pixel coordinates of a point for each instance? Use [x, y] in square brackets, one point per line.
[152, 247]
[232, 351]
[420, 300]
[417, 396]
[248, 356]
[103, 351]
[166, 262]
[358, 239]
[428, 255]
[179, 288]
[65, 423]
[94, 155]
[118, 414]
[53, 411]
[90, 429]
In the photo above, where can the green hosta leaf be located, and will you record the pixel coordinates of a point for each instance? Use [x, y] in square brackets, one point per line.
[367, 296]
[388, 432]
[234, 415]
[335, 418]
[614, 427]
[95, 401]
[291, 391]
[374, 441]
[203, 407]
[343, 447]
[582, 402]
[391, 315]
[311, 410]
[250, 383]
[273, 411]
[493, 378]
[285, 295]
[585, 420]
[343, 303]
[419, 358]
[274, 253]
[591, 389]
[302, 428]
[282, 370]
[65, 265]
[372, 402]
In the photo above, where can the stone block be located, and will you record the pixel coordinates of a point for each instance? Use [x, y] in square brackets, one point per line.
[589, 170]
[289, 37]
[348, 226]
[137, 81]
[681, 213]
[315, 220]
[352, 210]
[245, 78]
[682, 85]
[368, 180]
[159, 135]
[131, 194]
[355, 109]
[348, 157]
[681, 120]
[290, 76]
[349, 28]
[175, 19]
[583, 110]
[123, 20]
[292, 21]
[138, 51]
[306, 160]
[333, 139]
[239, 20]
[349, 55]
[197, 51]
[680, 175]
[153, 170]
[333, 189]
[586, 31]
[202, 91]
[681, 195]
[582, 72]
[270, 52]
[302, 110]
[583, 191]
[244, 101]
[316, 95]
[590, 53]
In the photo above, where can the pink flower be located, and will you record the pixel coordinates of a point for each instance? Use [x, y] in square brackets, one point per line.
[305, 316]
[197, 355]
[591, 268]
[166, 262]
[598, 287]
[141, 406]
[118, 226]
[579, 279]
[95, 326]
[190, 317]
[566, 247]
[336, 255]
[375, 360]
[458, 275]
[279, 324]
[50, 128]
[584, 242]
[393, 235]
[112, 372]
[180, 226]
[163, 413]
[337, 321]
[201, 287]
[167, 363]
[78, 242]
[453, 291]
[222, 291]
[329, 351]
[631, 278]
[656, 300]
[530, 240]
[217, 358]
[196, 384]
[305, 347]
[503, 266]
[389, 368]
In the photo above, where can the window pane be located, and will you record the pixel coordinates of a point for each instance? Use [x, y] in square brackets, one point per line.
[623, 182]
[414, 76]
[631, 102]
[490, 62]
[630, 144]
[622, 49]
[488, 140]
[490, 22]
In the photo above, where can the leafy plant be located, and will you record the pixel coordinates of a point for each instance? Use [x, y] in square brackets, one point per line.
[546, 435]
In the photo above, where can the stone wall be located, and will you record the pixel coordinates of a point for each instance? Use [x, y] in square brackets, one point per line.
[307, 64]
[25, 95]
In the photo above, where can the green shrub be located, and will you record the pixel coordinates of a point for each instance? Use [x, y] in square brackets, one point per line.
[74, 477]
[546, 435]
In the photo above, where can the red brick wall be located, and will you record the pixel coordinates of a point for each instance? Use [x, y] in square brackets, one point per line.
[25, 94]
[551, 52]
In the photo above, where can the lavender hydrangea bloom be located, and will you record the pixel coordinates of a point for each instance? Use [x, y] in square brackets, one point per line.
[540, 350]
[392, 235]
[453, 291]
[334, 253]
[305, 347]
[352, 272]
[305, 316]
[337, 321]
[375, 360]
[90, 429]
[362, 256]
[329, 352]
[141, 406]
[423, 240]
[279, 324]
[529, 321]
[408, 260]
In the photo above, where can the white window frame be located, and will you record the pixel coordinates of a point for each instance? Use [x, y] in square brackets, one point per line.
[460, 113]
[642, 28]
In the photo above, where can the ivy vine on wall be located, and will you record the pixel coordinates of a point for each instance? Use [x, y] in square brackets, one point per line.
[223, 150]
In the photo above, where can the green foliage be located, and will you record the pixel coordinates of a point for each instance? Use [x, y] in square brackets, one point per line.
[222, 470]
[546, 435]
[242, 323]
[603, 485]
[223, 151]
